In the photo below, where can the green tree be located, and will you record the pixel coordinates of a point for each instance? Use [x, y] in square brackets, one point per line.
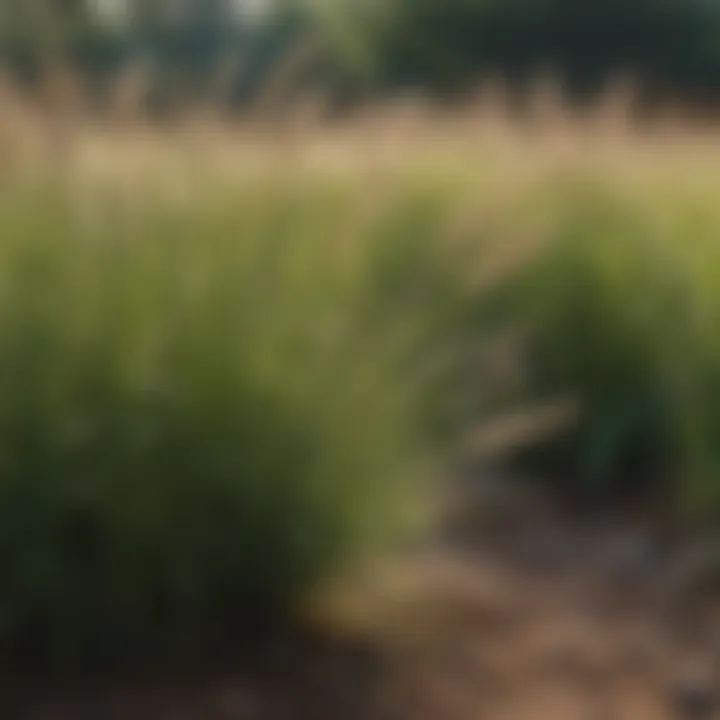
[449, 43]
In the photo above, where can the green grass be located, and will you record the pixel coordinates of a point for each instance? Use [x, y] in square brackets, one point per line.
[206, 409]
[214, 394]
[625, 304]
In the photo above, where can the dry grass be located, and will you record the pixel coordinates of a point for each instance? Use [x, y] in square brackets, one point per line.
[284, 126]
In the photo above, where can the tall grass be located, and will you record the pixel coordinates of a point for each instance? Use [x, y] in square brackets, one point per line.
[226, 373]
[209, 403]
[624, 304]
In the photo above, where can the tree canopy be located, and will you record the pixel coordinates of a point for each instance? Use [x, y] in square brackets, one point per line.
[442, 45]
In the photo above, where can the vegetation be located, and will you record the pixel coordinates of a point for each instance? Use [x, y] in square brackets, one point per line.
[450, 44]
[444, 46]
[208, 407]
[220, 386]
[625, 306]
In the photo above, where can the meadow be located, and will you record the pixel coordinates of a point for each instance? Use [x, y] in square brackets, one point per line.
[235, 361]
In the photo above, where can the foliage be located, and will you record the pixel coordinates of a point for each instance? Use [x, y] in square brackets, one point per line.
[450, 44]
[625, 309]
[206, 409]
[444, 45]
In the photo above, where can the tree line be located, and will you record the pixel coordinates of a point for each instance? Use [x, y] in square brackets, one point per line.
[440, 45]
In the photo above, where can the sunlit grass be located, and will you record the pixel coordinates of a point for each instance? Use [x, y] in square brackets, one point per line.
[229, 366]
[210, 401]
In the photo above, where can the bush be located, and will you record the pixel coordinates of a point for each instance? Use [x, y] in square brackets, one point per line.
[625, 304]
[204, 410]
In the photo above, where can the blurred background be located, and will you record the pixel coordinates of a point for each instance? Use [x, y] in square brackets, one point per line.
[668, 47]
[360, 358]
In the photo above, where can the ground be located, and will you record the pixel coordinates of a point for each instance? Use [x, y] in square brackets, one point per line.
[526, 612]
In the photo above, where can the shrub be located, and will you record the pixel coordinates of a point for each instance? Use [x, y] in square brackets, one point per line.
[625, 304]
[203, 409]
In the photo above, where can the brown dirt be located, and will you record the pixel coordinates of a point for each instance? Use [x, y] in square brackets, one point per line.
[538, 615]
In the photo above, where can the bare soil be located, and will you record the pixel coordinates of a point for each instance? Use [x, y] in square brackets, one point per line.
[526, 611]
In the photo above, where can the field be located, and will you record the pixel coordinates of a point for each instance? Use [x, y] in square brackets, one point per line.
[237, 363]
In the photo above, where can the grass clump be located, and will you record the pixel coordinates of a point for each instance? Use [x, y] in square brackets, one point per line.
[204, 409]
[625, 304]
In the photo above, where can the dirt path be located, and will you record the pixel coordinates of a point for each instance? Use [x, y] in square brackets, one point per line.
[566, 620]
